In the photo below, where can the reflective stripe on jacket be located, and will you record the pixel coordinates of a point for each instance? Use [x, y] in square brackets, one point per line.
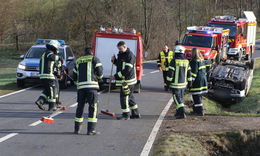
[87, 72]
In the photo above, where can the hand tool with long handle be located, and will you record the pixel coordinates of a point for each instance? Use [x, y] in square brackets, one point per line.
[106, 112]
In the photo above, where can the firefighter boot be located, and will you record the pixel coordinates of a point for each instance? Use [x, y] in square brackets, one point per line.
[91, 129]
[198, 111]
[77, 127]
[40, 103]
[58, 104]
[52, 106]
[135, 114]
[180, 113]
[124, 116]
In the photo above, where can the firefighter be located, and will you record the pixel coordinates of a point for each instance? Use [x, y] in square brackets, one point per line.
[47, 76]
[178, 77]
[87, 72]
[199, 81]
[58, 70]
[163, 62]
[126, 78]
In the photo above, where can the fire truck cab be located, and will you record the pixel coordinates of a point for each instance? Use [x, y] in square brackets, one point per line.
[104, 46]
[211, 41]
[242, 34]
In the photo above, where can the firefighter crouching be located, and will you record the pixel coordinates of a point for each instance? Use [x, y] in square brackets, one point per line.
[199, 81]
[126, 78]
[47, 76]
[163, 62]
[88, 71]
[178, 77]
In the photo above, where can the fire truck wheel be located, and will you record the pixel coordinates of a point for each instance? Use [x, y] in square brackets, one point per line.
[252, 64]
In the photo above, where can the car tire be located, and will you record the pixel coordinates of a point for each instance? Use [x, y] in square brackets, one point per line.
[20, 83]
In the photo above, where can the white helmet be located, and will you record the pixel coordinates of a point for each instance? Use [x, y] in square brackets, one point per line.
[54, 43]
[179, 49]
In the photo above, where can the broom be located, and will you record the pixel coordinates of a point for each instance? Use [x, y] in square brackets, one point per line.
[106, 112]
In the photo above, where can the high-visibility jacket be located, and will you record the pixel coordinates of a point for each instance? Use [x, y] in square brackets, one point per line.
[199, 79]
[126, 70]
[164, 59]
[179, 72]
[47, 65]
[87, 71]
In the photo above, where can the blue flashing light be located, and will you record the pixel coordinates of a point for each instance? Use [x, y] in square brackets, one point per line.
[46, 41]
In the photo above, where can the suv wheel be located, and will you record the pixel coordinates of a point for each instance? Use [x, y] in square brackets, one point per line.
[20, 83]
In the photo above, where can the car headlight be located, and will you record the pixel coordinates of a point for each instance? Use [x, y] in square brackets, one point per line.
[20, 66]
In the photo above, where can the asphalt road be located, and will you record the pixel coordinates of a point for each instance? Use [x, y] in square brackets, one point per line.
[21, 134]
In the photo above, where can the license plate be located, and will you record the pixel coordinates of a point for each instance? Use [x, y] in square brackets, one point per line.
[34, 74]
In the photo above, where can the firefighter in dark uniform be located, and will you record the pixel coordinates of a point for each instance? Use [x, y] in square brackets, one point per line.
[163, 62]
[126, 78]
[87, 72]
[178, 77]
[47, 75]
[199, 81]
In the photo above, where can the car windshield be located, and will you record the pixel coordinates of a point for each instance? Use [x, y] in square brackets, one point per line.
[232, 28]
[200, 41]
[36, 52]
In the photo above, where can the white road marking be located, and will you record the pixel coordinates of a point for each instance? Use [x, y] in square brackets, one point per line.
[35, 123]
[55, 114]
[19, 91]
[156, 71]
[8, 137]
[73, 105]
[143, 75]
[147, 147]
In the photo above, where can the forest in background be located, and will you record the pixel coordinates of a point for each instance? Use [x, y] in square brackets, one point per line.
[159, 21]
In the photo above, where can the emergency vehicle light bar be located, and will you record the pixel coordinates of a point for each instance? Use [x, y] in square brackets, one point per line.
[205, 29]
[232, 19]
[46, 41]
[117, 30]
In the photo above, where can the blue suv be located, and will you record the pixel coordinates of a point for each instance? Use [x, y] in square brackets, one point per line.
[28, 69]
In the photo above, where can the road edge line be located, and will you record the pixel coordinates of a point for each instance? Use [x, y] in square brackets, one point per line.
[8, 136]
[148, 146]
[18, 91]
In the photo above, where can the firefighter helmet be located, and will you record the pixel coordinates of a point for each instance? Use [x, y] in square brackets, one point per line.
[179, 49]
[53, 44]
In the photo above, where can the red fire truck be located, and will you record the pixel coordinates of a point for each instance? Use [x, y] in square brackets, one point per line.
[104, 46]
[242, 34]
[211, 41]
